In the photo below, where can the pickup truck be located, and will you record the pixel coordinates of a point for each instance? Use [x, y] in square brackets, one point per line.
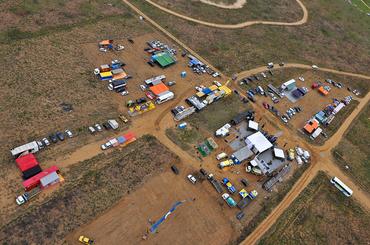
[229, 200]
[228, 185]
[223, 131]
[22, 199]
[226, 163]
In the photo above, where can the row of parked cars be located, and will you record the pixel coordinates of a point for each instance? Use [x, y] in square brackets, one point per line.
[299, 154]
[54, 138]
[290, 113]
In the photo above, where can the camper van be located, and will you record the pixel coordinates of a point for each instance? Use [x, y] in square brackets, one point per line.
[163, 97]
[117, 84]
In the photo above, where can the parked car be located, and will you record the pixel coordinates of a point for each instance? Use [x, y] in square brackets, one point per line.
[149, 95]
[263, 75]
[92, 130]
[192, 179]
[284, 119]
[315, 67]
[98, 127]
[170, 83]
[53, 138]
[175, 170]
[291, 154]
[85, 240]
[60, 136]
[299, 160]
[45, 142]
[123, 118]
[281, 64]
[68, 133]
[217, 83]
[203, 172]
[141, 100]
[244, 182]
[216, 74]
[265, 105]
[142, 87]
[124, 93]
[106, 126]
[106, 145]
[240, 215]
[151, 63]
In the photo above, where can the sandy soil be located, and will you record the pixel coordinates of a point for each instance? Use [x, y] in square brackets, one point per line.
[237, 5]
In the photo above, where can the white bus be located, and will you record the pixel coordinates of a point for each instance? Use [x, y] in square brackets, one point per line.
[341, 186]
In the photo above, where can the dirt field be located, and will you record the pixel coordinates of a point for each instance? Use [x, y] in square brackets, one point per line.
[235, 50]
[91, 187]
[252, 10]
[356, 144]
[321, 214]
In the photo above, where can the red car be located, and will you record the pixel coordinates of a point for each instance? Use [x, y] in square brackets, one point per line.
[267, 106]
[149, 95]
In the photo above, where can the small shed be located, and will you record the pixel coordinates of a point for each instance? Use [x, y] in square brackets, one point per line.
[252, 125]
[279, 153]
[49, 179]
[159, 88]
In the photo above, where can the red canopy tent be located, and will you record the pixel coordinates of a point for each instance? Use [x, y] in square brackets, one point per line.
[26, 162]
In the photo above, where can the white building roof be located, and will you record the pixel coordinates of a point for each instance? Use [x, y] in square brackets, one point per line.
[316, 133]
[291, 81]
[253, 125]
[259, 141]
[279, 153]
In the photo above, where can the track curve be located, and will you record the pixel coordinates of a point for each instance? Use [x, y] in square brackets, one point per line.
[302, 21]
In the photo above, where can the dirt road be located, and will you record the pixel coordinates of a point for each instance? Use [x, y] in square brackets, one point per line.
[235, 26]
[237, 5]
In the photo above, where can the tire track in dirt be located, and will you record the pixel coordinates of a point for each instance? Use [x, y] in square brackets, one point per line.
[235, 26]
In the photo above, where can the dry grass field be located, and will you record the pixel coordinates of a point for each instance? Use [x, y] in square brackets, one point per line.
[321, 215]
[335, 36]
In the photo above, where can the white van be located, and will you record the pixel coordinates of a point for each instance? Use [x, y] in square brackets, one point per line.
[220, 156]
[163, 97]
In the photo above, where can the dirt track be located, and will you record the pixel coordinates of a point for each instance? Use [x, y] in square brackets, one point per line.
[235, 26]
[237, 5]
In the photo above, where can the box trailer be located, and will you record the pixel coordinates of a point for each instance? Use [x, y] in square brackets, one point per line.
[26, 162]
[163, 97]
[35, 180]
[116, 84]
[31, 147]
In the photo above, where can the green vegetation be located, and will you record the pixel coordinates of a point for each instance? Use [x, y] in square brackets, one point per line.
[184, 138]
[362, 5]
[320, 215]
[338, 38]
[215, 115]
[353, 150]
[269, 204]
[274, 10]
[92, 187]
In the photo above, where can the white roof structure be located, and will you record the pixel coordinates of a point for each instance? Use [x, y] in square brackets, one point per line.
[258, 143]
[49, 179]
[279, 153]
[253, 125]
[254, 162]
[339, 107]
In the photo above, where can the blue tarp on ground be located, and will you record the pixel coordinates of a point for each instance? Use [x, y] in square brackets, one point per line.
[164, 217]
[207, 91]
[194, 62]
[121, 139]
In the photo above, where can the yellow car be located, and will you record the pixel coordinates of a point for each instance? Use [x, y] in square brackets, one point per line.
[85, 240]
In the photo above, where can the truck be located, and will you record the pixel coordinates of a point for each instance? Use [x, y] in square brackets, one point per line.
[117, 84]
[22, 199]
[215, 183]
[226, 163]
[247, 199]
[31, 147]
[229, 200]
[228, 185]
[223, 131]
[221, 156]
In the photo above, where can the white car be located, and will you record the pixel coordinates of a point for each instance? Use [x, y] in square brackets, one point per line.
[315, 67]
[225, 196]
[299, 160]
[68, 133]
[96, 71]
[301, 79]
[216, 74]
[192, 179]
[263, 74]
[142, 87]
[98, 127]
[45, 141]
[92, 130]
[217, 83]
[106, 146]
[124, 93]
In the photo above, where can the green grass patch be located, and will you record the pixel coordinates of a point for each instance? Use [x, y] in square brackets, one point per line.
[184, 138]
[218, 113]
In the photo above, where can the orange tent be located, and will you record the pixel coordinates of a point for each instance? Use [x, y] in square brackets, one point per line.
[105, 42]
[159, 88]
[311, 126]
